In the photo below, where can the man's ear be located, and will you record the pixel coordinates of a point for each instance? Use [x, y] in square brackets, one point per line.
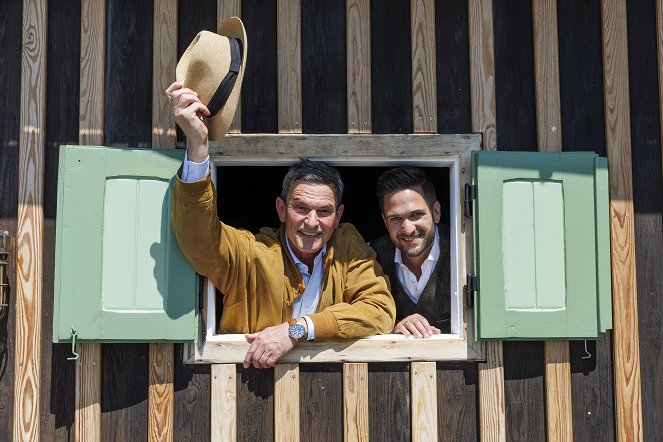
[339, 213]
[384, 219]
[437, 212]
[281, 208]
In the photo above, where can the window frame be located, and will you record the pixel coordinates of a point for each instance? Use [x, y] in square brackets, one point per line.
[429, 150]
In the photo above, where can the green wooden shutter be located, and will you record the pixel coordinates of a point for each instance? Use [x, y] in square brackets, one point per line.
[119, 273]
[542, 245]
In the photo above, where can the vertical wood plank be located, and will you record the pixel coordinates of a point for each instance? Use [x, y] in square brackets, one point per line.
[424, 90]
[549, 139]
[164, 59]
[286, 403]
[88, 393]
[288, 38]
[29, 236]
[224, 403]
[424, 401]
[87, 420]
[558, 391]
[659, 48]
[160, 392]
[482, 70]
[546, 77]
[92, 96]
[492, 419]
[355, 402]
[626, 351]
[358, 40]
[224, 10]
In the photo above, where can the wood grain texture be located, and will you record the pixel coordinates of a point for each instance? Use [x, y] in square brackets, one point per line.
[628, 396]
[286, 403]
[288, 40]
[391, 67]
[87, 420]
[482, 71]
[424, 88]
[355, 402]
[124, 386]
[546, 76]
[223, 424]
[492, 418]
[58, 386]
[389, 402]
[659, 49]
[321, 404]
[29, 235]
[160, 393]
[255, 403]
[358, 41]
[191, 420]
[647, 205]
[549, 139]
[161, 356]
[454, 114]
[457, 407]
[164, 60]
[88, 393]
[259, 102]
[491, 395]
[558, 391]
[224, 10]
[92, 94]
[424, 401]
[323, 59]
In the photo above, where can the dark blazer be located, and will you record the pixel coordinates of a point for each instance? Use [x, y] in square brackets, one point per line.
[435, 301]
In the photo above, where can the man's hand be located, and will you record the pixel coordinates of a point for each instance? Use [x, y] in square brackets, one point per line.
[416, 325]
[188, 111]
[268, 346]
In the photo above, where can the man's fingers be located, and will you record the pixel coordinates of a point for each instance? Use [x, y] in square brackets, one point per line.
[173, 87]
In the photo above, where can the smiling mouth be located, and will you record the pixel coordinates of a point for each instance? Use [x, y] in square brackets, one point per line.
[310, 234]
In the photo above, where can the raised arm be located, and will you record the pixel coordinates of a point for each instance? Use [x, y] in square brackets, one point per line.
[189, 111]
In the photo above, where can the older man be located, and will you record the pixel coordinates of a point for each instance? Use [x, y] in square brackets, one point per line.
[313, 278]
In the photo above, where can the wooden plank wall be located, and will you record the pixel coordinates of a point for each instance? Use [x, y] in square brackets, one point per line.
[592, 116]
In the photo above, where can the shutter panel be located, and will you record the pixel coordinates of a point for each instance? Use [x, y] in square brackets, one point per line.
[541, 245]
[119, 272]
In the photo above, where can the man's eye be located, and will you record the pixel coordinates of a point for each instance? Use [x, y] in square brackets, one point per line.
[396, 220]
[416, 216]
[301, 210]
[324, 213]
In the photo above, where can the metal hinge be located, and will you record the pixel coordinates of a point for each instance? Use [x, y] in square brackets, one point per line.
[470, 196]
[471, 287]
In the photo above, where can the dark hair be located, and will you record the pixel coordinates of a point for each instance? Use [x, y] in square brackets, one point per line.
[307, 171]
[402, 178]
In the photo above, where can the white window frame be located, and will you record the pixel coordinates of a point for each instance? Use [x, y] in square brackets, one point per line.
[452, 151]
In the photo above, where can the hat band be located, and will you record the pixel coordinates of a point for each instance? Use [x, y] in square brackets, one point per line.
[222, 93]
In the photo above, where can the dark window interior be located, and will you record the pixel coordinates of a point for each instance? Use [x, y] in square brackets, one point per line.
[247, 194]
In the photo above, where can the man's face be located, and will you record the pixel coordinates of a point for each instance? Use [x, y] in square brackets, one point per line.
[410, 223]
[310, 217]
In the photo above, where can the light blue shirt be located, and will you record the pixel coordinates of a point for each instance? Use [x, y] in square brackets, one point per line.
[307, 303]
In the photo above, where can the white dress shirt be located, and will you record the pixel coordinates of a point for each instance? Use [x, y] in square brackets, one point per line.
[414, 287]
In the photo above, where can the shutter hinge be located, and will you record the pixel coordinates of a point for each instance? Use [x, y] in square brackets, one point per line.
[471, 287]
[470, 196]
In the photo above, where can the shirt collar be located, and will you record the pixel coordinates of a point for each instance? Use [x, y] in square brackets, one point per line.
[303, 268]
[433, 255]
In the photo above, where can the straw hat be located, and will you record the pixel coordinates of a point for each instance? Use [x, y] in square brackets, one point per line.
[213, 66]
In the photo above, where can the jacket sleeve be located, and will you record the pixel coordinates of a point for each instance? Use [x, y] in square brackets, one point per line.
[216, 250]
[368, 307]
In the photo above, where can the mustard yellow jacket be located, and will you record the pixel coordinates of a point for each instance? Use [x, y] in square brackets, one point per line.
[260, 281]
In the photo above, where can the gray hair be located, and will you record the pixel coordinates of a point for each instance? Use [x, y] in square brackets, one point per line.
[307, 171]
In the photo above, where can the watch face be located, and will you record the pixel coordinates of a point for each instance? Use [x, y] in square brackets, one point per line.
[296, 331]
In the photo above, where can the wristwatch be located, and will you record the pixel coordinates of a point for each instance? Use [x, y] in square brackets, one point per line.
[296, 330]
